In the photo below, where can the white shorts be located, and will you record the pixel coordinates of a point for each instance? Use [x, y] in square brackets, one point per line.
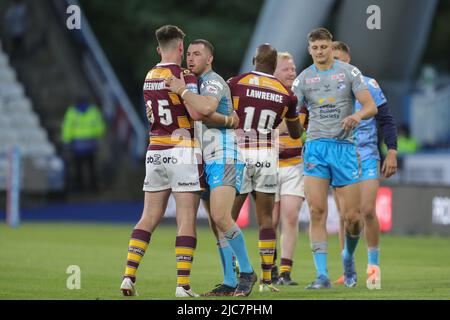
[260, 172]
[290, 181]
[179, 169]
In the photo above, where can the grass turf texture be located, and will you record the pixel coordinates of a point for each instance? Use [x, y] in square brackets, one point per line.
[34, 259]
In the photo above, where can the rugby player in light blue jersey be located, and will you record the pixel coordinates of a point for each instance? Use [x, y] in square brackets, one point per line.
[367, 142]
[328, 88]
[223, 163]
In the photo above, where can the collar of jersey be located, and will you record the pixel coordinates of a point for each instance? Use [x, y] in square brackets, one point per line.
[203, 76]
[263, 74]
[325, 71]
[166, 64]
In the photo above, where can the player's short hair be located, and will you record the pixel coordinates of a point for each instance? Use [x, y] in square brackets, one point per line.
[285, 55]
[319, 34]
[341, 46]
[167, 34]
[265, 54]
[208, 45]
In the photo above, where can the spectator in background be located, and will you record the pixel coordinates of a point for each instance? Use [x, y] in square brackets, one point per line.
[82, 127]
[406, 144]
[16, 27]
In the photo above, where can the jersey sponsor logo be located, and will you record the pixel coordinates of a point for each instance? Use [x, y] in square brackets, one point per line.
[212, 83]
[340, 76]
[355, 72]
[374, 83]
[156, 159]
[263, 83]
[329, 111]
[309, 90]
[329, 100]
[341, 86]
[187, 184]
[159, 73]
[250, 163]
[212, 89]
[313, 80]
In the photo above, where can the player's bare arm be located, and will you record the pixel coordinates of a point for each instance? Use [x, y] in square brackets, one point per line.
[368, 110]
[390, 163]
[205, 105]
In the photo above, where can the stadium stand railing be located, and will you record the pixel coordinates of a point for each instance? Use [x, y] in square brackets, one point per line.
[119, 111]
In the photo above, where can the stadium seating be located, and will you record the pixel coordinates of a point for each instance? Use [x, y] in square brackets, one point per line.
[20, 126]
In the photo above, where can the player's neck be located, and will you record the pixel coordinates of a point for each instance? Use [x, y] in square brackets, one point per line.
[171, 58]
[207, 69]
[324, 66]
[264, 69]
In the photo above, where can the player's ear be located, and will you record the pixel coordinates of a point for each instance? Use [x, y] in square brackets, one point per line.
[210, 59]
[181, 47]
[158, 50]
[253, 61]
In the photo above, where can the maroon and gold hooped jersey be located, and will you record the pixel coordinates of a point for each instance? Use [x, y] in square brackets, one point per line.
[172, 125]
[261, 102]
[292, 153]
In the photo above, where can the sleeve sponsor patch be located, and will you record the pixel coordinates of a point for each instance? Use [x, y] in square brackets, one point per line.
[374, 83]
[212, 83]
[355, 72]
[192, 87]
[212, 89]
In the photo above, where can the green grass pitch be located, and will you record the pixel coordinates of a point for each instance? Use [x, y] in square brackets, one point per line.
[35, 257]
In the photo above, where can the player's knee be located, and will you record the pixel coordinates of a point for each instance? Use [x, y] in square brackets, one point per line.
[353, 223]
[265, 221]
[318, 213]
[369, 212]
[219, 219]
[291, 220]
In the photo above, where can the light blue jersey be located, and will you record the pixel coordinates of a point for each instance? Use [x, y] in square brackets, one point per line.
[330, 152]
[223, 163]
[366, 133]
[218, 143]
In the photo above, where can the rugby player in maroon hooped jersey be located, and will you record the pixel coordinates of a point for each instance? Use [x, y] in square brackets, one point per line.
[262, 102]
[222, 161]
[166, 173]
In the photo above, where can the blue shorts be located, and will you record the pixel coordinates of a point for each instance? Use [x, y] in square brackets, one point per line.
[334, 160]
[223, 173]
[369, 169]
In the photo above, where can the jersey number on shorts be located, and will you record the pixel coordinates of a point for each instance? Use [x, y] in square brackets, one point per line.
[164, 114]
[265, 122]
